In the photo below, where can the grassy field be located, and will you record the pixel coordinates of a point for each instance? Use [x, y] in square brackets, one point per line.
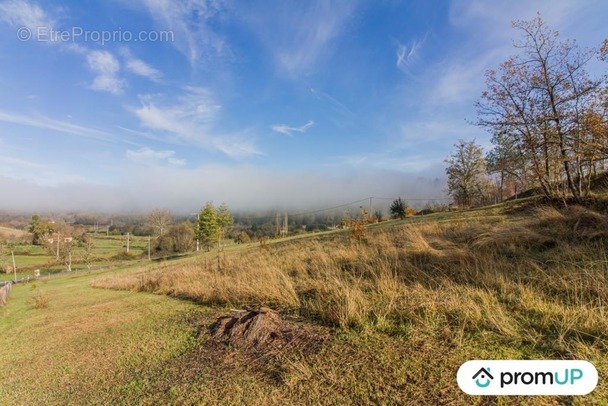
[29, 257]
[66, 343]
[403, 308]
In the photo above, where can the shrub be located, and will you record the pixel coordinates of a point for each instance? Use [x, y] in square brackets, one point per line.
[41, 300]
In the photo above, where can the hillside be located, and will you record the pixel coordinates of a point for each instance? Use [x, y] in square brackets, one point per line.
[12, 233]
[386, 318]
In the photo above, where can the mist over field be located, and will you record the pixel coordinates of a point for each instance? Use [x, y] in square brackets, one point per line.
[242, 188]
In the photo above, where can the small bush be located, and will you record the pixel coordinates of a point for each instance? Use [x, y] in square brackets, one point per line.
[41, 301]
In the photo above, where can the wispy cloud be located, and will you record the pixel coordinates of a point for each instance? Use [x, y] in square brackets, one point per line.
[191, 120]
[139, 67]
[141, 133]
[21, 163]
[25, 14]
[458, 81]
[339, 106]
[148, 156]
[408, 54]
[300, 34]
[189, 20]
[22, 13]
[288, 130]
[106, 66]
[54, 125]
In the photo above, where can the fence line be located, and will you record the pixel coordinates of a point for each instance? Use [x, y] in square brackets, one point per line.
[5, 289]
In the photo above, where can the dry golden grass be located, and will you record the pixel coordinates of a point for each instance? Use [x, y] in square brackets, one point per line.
[526, 279]
[406, 305]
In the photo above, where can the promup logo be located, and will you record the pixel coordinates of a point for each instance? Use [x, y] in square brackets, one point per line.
[484, 375]
[540, 377]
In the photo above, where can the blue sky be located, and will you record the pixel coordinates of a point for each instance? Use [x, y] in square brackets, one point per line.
[135, 104]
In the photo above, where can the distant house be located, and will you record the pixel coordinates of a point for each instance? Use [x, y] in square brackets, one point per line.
[65, 239]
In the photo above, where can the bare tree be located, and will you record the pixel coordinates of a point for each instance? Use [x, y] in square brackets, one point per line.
[87, 249]
[538, 99]
[61, 244]
[159, 220]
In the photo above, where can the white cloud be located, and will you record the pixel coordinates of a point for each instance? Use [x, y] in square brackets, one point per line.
[407, 55]
[337, 105]
[139, 67]
[22, 13]
[189, 22]
[148, 156]
[106, 66]
[487, 40]
[494, 18]
[21, 163]
[459, 81]
[54, 125]
[191, 120]
[288, 130]
[188, 118]
[299, 34]
[163, 119]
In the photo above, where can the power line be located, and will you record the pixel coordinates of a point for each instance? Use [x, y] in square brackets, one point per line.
[310, 212]
[421, 200]
[337, 207]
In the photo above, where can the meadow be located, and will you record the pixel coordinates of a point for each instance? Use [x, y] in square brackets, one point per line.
[106, 249]
[402, 306]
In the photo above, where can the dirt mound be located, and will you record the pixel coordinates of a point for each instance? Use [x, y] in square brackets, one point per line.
[264, 330]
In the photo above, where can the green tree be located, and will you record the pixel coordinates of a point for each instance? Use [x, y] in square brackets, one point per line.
[182, 237]
[4, 254]
[224, 220]
[40, 229]
[242, 238]
[398, 208]
[208, 225]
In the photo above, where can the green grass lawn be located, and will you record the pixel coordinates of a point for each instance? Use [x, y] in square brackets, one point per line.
[83, 346]
[29, 257]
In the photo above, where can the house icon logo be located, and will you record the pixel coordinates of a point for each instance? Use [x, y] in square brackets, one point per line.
[483, 378]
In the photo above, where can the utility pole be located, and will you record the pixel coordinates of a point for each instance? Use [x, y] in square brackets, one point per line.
[285, 225]
[149, 243]
[127, 242]
[370, 207]
[198, 229]
[57, 256]
[14, 265]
